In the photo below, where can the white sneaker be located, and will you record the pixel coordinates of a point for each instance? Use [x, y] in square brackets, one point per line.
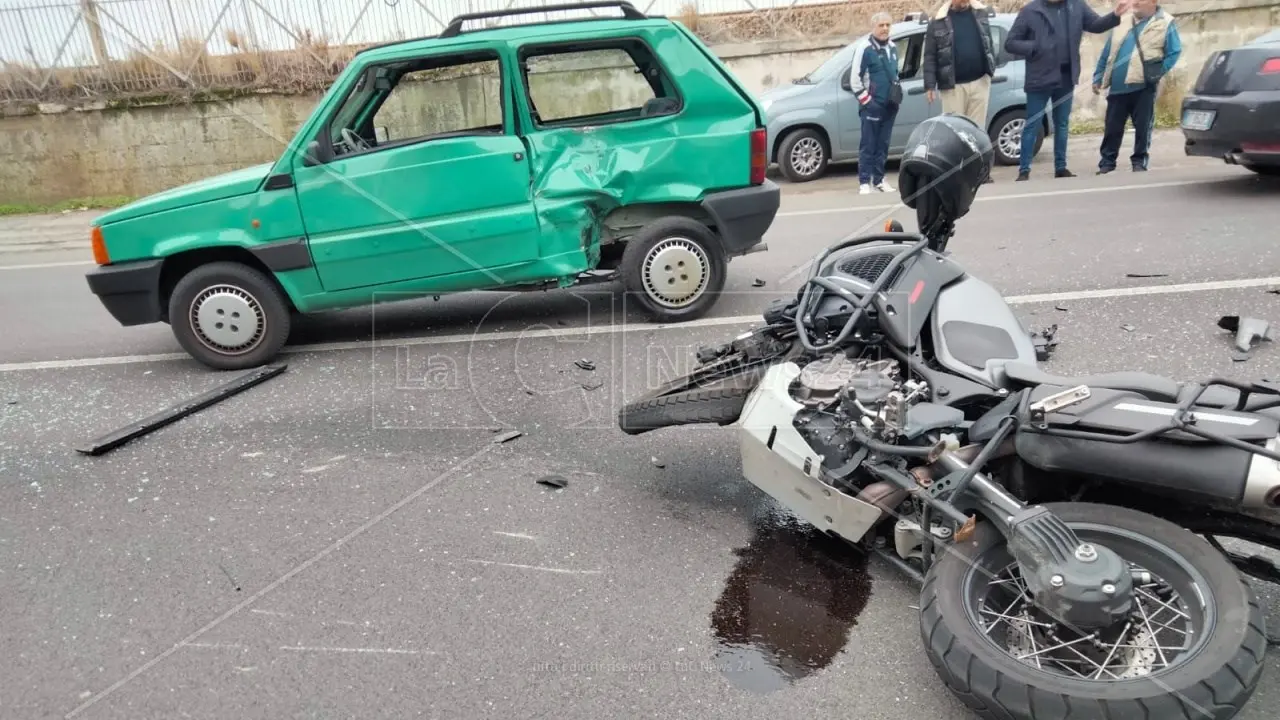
[884, 187]
[864, 189]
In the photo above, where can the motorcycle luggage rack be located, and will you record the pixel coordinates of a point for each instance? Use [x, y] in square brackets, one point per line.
[1182, 419]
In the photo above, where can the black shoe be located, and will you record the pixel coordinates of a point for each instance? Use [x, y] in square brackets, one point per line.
[1139, 168]
[1063, 173]
[989, 180]
[1104, 171]
[1023, 176]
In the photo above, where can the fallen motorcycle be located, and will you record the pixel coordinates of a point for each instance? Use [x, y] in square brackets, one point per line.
[896, 403]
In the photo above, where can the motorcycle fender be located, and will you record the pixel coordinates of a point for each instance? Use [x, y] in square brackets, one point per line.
[776, 459]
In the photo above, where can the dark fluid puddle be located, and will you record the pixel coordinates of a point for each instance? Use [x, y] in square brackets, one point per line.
[788, 606]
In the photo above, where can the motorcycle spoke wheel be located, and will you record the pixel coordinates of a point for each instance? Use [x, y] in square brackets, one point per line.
[1193, 647]
[1157, 634]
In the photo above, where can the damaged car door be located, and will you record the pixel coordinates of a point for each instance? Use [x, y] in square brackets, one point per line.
[418, 177]
[606, 139]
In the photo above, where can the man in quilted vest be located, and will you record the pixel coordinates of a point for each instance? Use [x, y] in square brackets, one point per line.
[1138, 53]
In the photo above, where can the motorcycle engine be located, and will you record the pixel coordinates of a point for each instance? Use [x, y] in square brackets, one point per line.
[839, 392]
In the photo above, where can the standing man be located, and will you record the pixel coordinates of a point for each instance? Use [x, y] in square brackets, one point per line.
[1130, 70]
[958, 61]
[1047, 33]
[873, 78]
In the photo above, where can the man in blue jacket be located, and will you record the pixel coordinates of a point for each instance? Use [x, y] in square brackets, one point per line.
[873, 79]
[1141, 51]
[1047, 34]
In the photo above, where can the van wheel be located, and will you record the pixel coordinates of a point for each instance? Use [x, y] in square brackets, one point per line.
[675, 268]
[803, 156]
[229, 316]
[1006, 136]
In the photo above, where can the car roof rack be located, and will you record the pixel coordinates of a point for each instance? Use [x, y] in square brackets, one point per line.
[629, 12]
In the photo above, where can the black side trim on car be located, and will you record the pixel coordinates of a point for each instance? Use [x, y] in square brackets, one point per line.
[284, 255]
[279, 182]
[744, 215]
[130, 291]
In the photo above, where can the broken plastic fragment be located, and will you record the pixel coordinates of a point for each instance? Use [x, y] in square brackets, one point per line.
[586, 364]
[507, 436]
[593, 385]
[1128, 328]
[554, 481]
[1146, 275]
[757, 283]
[1247, 330]
[657, 463]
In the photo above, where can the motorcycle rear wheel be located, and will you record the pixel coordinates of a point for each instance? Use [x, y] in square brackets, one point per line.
[998, 680]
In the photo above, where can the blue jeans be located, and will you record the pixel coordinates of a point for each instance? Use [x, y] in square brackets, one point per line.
[873, 146]
[1036, 102]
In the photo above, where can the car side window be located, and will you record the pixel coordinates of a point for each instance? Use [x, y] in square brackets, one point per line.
[997, 45]
[566, 83]
[910, 53]
[410, 101]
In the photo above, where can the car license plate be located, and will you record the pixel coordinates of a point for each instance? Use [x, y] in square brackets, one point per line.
[1197, 119]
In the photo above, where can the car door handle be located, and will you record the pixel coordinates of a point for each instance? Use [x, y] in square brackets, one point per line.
[1000, 79]
[916, 91]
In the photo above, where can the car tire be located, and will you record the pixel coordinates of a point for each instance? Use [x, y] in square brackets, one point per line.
[807, 148]
[674, 268]
[1006, 129]
[206, 304]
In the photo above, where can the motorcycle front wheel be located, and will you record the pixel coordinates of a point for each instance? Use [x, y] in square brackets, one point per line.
[1193, 647]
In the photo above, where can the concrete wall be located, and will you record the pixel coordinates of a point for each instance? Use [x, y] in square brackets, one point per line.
[61, 153]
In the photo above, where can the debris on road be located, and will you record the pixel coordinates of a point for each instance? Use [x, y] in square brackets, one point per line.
[657, 463]
[586, 364]
[593, 385]
[507, 437]
[1127, 327]
[555, 481]
[1247, 330]
[112, 440]
[757, 283]
[1060, 306]
[1146, 275]
[1044, 342]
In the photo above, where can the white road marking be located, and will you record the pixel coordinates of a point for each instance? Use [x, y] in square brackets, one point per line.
[993, 198]
[218, 646]
[38, 266]
[639, 327]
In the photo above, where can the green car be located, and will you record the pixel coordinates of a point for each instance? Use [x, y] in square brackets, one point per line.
[532, 156]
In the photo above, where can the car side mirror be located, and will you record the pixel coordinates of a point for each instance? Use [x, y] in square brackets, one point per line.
[380, 134]
[844, 82]
[317, 153]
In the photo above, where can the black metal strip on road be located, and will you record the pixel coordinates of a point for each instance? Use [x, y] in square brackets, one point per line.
[116, 438]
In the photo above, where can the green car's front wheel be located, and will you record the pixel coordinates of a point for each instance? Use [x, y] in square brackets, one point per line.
[229, 316]
[674, 268]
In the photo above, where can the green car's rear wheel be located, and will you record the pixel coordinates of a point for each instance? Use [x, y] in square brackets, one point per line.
[229, 316]
[674, 268]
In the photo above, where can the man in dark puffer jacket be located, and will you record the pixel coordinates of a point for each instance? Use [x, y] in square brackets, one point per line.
[958, 61]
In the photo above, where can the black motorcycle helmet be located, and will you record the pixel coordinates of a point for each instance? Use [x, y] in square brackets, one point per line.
[946, 160]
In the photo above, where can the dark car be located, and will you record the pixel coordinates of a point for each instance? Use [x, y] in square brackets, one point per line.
[1233, 112]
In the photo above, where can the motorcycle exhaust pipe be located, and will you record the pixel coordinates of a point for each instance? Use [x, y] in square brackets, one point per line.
[1262, 483]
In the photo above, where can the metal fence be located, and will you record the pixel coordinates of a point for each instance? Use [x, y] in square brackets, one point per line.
[55, 49]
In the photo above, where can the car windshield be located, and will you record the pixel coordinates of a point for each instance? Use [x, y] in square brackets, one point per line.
[831, 66]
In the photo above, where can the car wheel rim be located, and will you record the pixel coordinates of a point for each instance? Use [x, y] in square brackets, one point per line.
[1010, 139]
[1172, 619]
[806, 156]
[228, 320]
[675, 272]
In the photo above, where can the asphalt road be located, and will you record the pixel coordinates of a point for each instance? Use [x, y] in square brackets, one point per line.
[347, 540]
